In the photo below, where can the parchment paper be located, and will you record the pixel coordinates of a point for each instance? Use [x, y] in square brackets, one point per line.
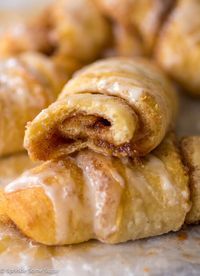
[170, 254]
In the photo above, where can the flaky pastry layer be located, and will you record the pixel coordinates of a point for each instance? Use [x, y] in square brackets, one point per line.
[28, 84]
[91, 196]
[116, 106]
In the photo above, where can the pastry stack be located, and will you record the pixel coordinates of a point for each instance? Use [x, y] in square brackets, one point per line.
[111, 166]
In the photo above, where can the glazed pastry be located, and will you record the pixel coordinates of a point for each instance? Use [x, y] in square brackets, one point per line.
[28, 84]
[191, 151]
[91, 196]
[116, 107]
[10, 168]
[143, 17]
[178, 50]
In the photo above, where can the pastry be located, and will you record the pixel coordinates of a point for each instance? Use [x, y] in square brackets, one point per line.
[10, 168]
[178, 47]
[190, 147]
[117, 106]
[66, 29]
[78, 29]
[126, 42]
[22, 38]
[91, 196]
[28, 83]
[143, 17]
[167, 31]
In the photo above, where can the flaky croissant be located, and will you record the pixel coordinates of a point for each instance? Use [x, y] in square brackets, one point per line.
[91, 196]
[116, 106]
[28, 84]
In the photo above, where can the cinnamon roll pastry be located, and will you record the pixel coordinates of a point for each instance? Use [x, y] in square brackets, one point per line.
[91, 196]
[178, 50]
[28, 84]
[143, 17]
[191, 151]
[118, 106]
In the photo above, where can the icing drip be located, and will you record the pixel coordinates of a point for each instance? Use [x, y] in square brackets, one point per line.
[61, 192]
[104, 190]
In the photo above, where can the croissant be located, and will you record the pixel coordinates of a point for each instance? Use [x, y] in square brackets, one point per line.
[91, 196]
[116, 106]
[28, 84]
[167, 31]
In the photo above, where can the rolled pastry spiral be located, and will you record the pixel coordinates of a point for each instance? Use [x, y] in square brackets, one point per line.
[69, 31]
[118, 106]
[28, 84]
[91, 196]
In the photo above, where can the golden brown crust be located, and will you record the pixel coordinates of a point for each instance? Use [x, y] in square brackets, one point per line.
[143, 17]
[28, 84]
[23, 38]
[10, 168]
[116, 106]
[178, 50]
[113, 200]
[72, 32]
[78, 30]
[191, 152]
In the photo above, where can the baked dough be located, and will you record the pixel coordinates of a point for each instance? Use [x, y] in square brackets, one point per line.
[143, 18]
[190, 147]
[10, 168]
[71, 31]
[28, 84]
[178, 48]
[91, 196]
[116, 106]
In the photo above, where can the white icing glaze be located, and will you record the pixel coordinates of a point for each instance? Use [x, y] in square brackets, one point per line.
[115, 87]
[61, 192]
[172, 192]
[100, 193]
